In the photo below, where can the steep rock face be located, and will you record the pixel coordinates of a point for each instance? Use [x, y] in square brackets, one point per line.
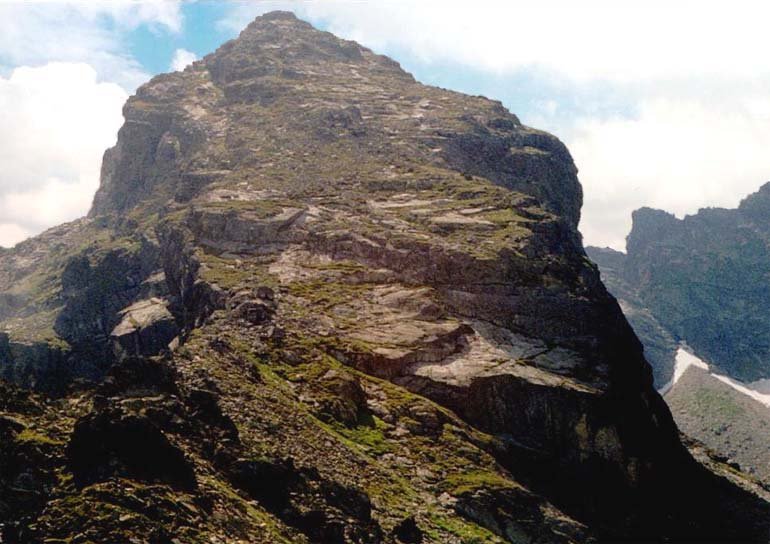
[384, 313]
[701, 281]
[660, 345]
[71, 287]
[178, 137]
[705, 279]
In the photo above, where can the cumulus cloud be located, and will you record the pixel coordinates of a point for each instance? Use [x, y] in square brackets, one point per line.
[55, 123]
[132, 13]
[35, 33]
[676, 154]
[590, 39]
[182, 59]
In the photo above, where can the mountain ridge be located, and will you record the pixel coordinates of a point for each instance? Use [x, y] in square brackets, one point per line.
[336, 305]
[702, 277]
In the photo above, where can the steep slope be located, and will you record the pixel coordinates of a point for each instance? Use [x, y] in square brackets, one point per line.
[381, 327]
[659, 345]
[726, 421]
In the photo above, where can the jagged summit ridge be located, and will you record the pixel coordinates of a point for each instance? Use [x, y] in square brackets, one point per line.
[310, 81]
[699, 284]
[704, 277]
[279, 41]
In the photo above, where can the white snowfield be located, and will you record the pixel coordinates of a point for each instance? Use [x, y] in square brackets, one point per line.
[759, 390]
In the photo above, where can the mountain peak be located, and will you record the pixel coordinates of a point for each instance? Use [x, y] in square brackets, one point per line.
[285, 20]
[648, 224]
[757, 205]
[280, 38]
[300, 91]
[277, 15]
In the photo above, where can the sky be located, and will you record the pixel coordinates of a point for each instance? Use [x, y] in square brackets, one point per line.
[662, 104]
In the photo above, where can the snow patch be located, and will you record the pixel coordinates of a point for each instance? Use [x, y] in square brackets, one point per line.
[746, 389]
[759, 390]
[683, 360]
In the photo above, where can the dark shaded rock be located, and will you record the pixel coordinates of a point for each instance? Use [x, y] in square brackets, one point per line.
[267, 480]
[265, 293]
[514, 515]
[137, 376]
[330, 512]
[95, 294]
[194, 300]
[253, 312]
[204, 407]
[346, 399]
[28, 460]
[39, 365]
[109, 443]
[535, 164]
[408, 532]
[660, 346]
[10, 426]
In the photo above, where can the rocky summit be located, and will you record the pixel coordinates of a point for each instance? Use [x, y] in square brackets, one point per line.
[318, 301]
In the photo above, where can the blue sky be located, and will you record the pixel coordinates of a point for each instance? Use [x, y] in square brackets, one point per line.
[661, 104]
[200, 34]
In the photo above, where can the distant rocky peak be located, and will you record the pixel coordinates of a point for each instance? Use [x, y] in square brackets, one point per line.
[648, 226]
[757, 205]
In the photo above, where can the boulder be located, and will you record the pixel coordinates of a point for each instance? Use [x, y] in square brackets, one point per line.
[146, 328]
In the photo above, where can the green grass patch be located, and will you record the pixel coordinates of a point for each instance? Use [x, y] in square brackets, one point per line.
[462, 483]
[30, 436]
[719, 402]
[467, 532]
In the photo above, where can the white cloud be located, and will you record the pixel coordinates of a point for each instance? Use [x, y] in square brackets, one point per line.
[132, 13]
[182, 59]
[35, 33]
[68, 72]
[55, 123]
[676, 154]
[11, 234]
